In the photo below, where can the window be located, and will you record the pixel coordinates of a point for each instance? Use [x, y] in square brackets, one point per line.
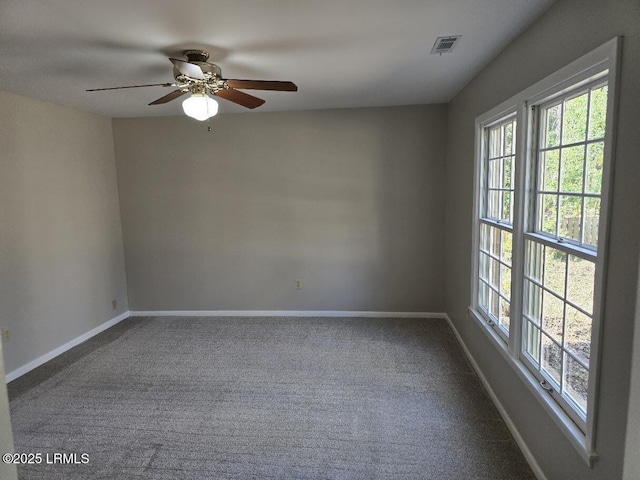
[496, 223]
[559, 277]
[542, 186]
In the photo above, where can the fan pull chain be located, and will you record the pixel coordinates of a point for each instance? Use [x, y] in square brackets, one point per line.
[208, 118]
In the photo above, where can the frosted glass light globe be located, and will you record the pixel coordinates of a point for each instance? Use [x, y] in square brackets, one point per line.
[200, 106]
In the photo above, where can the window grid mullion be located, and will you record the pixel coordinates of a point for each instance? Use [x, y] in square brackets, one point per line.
[570, 194]
[485, 175]
[583, 211]
[578, 360]
[570, 303]
[564, 323]
[543, 266]
[497, 292]
[501, 170]
[573, 144]
[491, 256]
[559, 167]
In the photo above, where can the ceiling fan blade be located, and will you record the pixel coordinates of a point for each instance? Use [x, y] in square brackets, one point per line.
[167, 98]
[239, 97]
[132, 86]
[263, 85]
[189, 69]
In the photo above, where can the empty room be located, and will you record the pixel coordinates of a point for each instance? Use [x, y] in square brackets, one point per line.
[320, 240]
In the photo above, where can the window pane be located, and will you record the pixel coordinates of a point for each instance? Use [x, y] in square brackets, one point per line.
[495, 142]
[552, 316]
[508, 139]
[549, 214]
[595, 159]
[494, 301]
[494, 173]
[483, 295]
[572, 169]
[505, 281]
[552, 124]
[484, 237]
[483, 266]
[494, 273]
[551, 358]
[555, 264]
[505, 311]
[506, 207]
[494, 246]
[507, 247]
[570, 217]
[533, 264]
[591, 220]
[508, 174]
[578, 334]
[493, 207]
[550, 169]
[580, 283]
[574, 119]
[576, 382]
[531, 341]
[533, 301]
[598, 112]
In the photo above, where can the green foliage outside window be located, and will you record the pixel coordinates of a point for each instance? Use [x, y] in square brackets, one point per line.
[572, 162]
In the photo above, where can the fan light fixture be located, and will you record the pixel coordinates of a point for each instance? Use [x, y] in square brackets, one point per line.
[200, 106]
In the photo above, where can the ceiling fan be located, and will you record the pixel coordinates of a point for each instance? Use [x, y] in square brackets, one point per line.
[202, 80]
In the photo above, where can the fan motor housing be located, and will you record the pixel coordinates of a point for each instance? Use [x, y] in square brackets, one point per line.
[200, 57]
[196, 55]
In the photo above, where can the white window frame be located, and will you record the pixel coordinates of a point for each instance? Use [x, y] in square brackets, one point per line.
[580, 72]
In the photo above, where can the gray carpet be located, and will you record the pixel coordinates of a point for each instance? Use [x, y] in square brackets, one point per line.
[248, 398]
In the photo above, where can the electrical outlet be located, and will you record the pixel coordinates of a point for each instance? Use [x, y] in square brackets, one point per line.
[298, 284]
[114, 304]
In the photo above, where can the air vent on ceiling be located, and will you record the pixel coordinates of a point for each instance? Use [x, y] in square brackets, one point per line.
[445, 44]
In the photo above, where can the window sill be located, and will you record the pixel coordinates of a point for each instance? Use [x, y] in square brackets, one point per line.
[575, 436]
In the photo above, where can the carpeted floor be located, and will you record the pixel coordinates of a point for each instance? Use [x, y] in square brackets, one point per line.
[264, 398]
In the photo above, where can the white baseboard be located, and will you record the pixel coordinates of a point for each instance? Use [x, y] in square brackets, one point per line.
[283, 313]
[18, 372]
[537, 471]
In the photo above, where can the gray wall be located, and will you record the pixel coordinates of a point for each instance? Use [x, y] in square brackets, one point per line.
[569, 29]
[351, 202]
[61, 254]
[632, 448]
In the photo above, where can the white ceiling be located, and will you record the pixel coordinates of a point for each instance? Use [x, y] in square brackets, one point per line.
[340, 53]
